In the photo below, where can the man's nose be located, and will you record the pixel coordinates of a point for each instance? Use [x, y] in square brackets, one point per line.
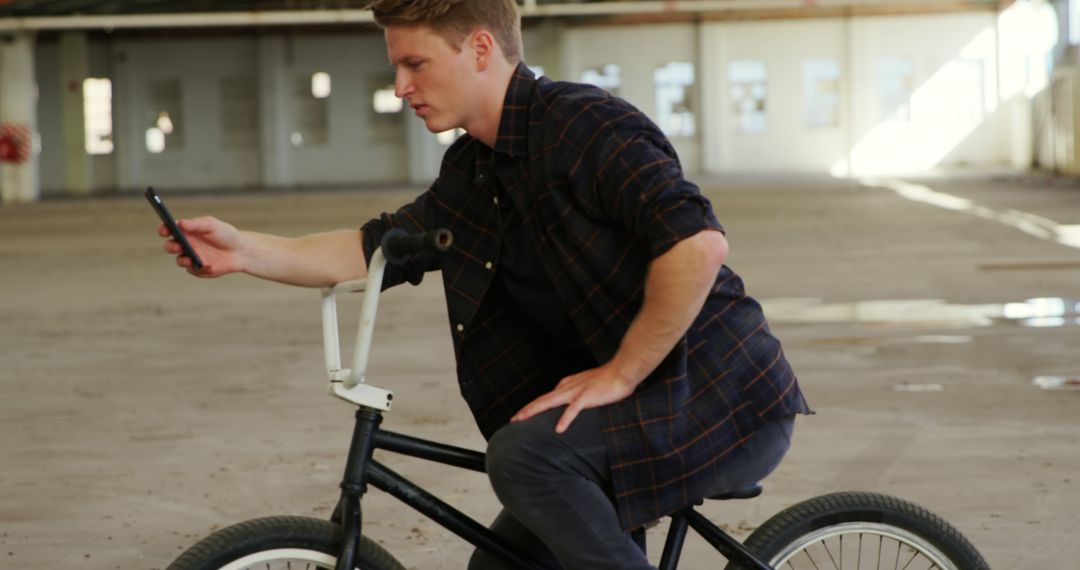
[402, 85]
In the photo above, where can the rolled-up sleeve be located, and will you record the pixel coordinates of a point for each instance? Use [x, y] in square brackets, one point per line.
[414, 217]
[636, 179]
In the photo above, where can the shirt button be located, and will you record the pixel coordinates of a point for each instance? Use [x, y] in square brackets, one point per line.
[488, 265]
[461, 328]
[496, 200]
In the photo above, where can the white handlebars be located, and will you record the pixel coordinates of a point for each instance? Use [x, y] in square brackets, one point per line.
[348, 383]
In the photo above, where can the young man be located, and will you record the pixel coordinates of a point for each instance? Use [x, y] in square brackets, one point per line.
[614, 363]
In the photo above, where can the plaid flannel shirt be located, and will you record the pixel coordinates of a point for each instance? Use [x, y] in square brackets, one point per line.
[601, 190]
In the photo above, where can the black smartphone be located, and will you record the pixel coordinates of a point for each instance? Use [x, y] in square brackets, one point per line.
[170, 222]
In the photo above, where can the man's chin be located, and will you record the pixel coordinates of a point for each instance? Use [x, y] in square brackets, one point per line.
[435, 128]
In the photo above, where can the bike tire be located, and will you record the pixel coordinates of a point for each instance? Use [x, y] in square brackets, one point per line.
[811, 534]
[286, 541]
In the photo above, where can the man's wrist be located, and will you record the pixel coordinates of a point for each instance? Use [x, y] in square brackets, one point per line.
[631, 371]
[244, 252]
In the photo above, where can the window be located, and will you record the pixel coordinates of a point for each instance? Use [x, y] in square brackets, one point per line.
[97, 115]
[821, 90]
[896, 81]
[320, 85]
[165, 131]
[239, 113]
[673, 86]
[749, 90]
[311, 98]
[387, 119]
[385, 102]
[607, 76]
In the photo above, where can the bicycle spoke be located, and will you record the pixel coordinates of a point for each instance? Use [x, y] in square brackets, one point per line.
[913, 557]
[829, 552]
[807, 553]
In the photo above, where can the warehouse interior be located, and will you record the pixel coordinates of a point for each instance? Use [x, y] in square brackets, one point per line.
[900, 183]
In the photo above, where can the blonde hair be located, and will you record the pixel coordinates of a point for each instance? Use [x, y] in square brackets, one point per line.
[454, 20]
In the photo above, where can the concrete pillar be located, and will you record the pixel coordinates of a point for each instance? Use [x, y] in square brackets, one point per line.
[274, 90]
[548, 51]
[19, 182]
[129, 142]
[424, 150]
[74, 69]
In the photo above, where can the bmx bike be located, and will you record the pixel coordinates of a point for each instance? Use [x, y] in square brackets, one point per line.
[854, 530]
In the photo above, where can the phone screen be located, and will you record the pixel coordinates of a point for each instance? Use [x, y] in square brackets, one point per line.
[174, 229]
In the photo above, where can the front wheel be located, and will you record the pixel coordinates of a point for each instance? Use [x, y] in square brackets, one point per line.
[861, 531]
[275, 543]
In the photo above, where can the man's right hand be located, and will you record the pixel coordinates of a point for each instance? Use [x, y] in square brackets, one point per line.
[217, 243]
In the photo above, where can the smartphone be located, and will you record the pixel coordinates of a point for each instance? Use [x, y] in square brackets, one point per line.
[174, 229]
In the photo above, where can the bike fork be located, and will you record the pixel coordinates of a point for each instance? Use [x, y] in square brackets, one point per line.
[352, 486]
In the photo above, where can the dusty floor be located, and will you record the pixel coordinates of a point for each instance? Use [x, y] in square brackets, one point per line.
[140, 408]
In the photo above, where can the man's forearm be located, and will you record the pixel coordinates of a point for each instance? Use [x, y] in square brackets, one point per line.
[675, 290]
[316, 260]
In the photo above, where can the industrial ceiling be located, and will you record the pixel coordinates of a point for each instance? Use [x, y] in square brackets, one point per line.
[110, 14]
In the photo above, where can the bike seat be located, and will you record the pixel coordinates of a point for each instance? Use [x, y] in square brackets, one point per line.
[745, 493]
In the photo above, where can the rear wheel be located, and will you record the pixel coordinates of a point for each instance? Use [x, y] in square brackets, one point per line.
[861, 531]
[279, 543]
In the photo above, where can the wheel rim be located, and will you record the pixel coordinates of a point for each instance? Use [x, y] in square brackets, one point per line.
[861, 546]
[283, 559]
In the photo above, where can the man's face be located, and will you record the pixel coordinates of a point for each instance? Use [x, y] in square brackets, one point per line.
[433, 76]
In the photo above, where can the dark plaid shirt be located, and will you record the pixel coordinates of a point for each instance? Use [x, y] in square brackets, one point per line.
[601, 192]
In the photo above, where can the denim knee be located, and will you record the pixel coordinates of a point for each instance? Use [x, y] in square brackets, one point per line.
[512, 458]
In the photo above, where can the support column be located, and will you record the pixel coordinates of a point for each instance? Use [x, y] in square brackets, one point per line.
[74, 69]
[19, 181]
[425, 152]
[274, 113]
[550, 34]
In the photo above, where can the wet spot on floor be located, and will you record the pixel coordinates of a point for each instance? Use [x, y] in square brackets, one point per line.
[1040, 312]
[1057, 382]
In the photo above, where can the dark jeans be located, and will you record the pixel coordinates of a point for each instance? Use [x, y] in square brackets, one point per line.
[557, 494]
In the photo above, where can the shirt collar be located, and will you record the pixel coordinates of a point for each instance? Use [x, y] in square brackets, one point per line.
[514, 123]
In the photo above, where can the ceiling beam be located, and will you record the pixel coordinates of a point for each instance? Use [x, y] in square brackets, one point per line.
[617, 9]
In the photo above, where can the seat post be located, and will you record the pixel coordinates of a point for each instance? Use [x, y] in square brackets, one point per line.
[674, 543]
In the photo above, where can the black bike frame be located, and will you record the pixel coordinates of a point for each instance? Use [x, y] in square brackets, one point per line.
[361, 469]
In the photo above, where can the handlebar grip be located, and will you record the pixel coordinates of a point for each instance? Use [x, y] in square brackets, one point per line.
[398, 245]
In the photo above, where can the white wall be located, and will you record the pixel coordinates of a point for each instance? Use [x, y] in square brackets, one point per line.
[951, 118]
[787, 143]
[352, 153]
[954, 117]
[639, 51]
[864, 138]
[199, 65]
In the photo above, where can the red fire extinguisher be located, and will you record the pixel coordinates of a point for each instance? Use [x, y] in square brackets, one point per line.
[14, 143]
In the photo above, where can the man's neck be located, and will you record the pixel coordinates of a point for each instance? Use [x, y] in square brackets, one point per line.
[490, 104]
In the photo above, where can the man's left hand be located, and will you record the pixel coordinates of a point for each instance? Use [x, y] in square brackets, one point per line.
[589, 389]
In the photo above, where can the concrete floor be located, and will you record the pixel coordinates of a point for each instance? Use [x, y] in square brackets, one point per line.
[141, 409]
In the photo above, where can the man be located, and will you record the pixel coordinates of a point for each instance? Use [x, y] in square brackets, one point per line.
[614, 363]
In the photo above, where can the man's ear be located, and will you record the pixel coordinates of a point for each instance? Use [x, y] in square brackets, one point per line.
[483, 47]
